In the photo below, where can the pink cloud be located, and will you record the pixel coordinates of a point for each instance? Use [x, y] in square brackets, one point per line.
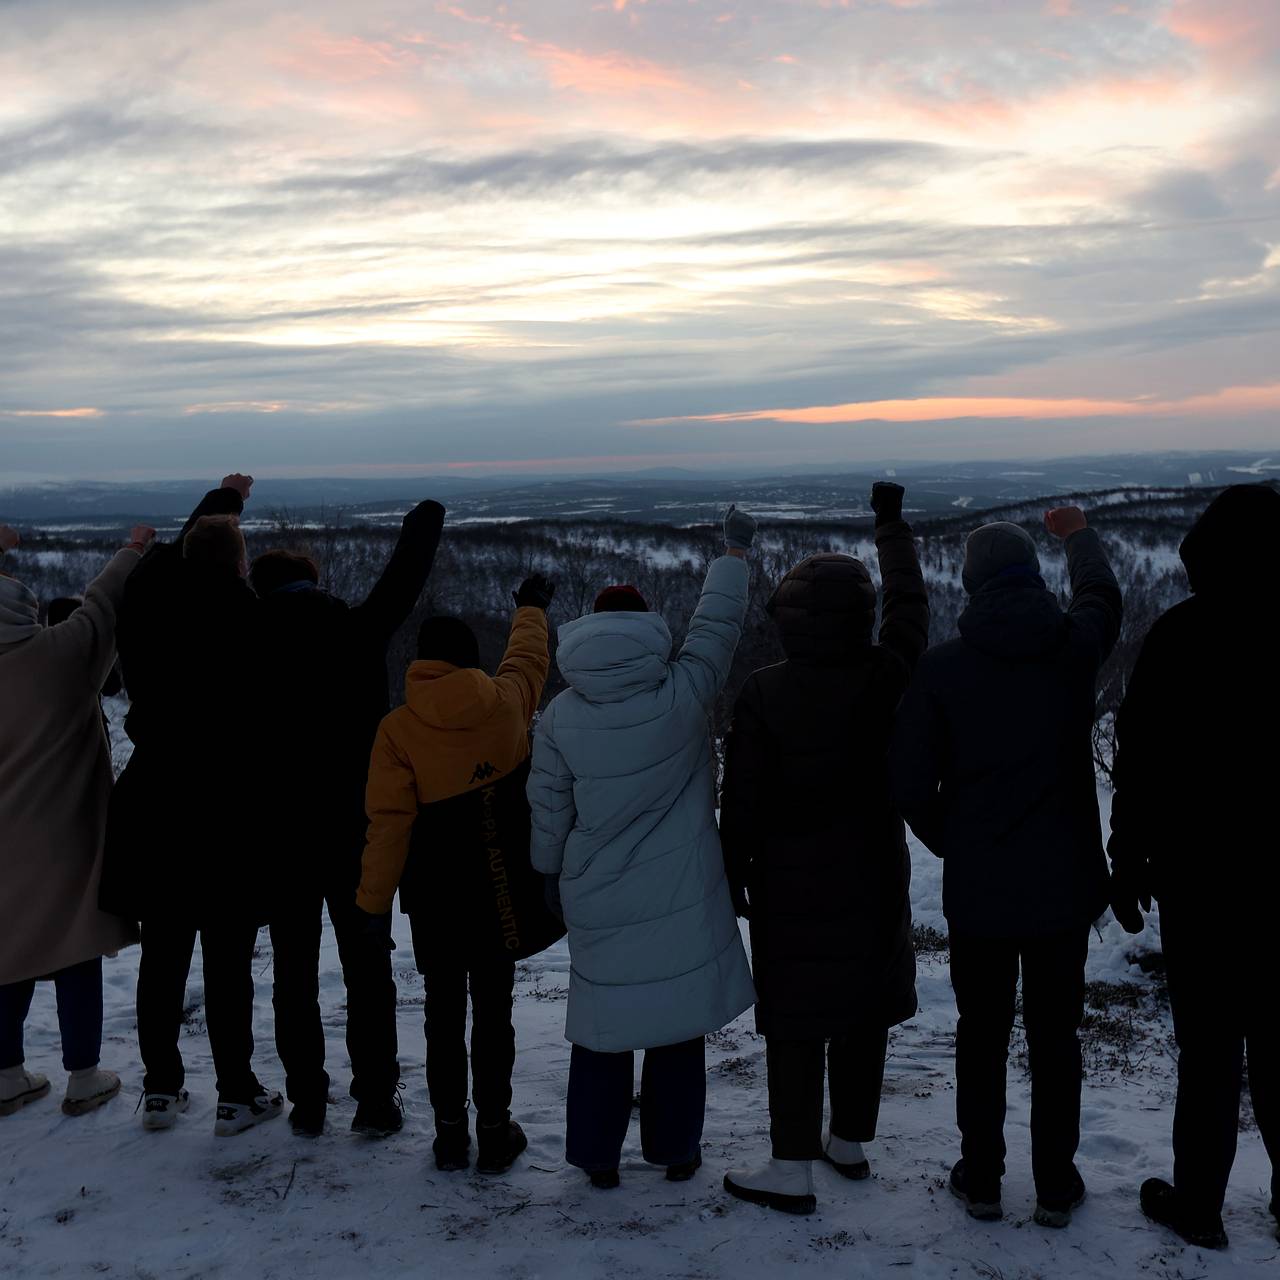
[85, 412]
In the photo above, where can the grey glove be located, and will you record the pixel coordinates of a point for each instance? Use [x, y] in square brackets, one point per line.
[739, 530]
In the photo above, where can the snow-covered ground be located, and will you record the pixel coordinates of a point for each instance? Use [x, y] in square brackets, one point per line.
[98, 1196]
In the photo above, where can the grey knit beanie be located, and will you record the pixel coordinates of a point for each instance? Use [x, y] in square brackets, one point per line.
[996, 547]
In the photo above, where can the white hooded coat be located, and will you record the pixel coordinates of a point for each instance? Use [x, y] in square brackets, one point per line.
[623, 797]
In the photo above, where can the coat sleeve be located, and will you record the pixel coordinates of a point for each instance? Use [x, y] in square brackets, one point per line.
[396, 592]
[1096, 601]
[391, 801]
[747, 778]
[551, 802]
[88, 637]
[714, 630]
[522, 674]
[904, 619]
[217, 502]
[916, 758]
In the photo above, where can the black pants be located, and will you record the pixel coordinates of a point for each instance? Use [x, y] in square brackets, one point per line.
[446, 981]
[167, 948]
[1223, 1002]
[673, 1102]
[854, 1068]
[984, 973]
[365, 956]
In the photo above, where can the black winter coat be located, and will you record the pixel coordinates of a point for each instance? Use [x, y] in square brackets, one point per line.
[807, 823]
[325, 667]
[1195, 775]
[992, 760]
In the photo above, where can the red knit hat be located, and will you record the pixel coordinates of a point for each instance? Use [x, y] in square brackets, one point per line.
[621, 599]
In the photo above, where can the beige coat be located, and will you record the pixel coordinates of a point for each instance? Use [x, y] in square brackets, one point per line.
[55, 780]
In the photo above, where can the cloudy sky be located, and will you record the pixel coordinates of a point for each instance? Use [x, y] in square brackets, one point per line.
[379, 236]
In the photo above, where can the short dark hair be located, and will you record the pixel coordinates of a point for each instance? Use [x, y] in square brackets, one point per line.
[215, 540]
[278, 568]
[61, 608]
[448, 640]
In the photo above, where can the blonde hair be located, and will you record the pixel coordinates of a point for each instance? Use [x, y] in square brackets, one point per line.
[216, 540]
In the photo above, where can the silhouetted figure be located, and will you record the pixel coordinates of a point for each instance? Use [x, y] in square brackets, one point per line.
[824, 875]
[623, 796]
[326, 690]
[1193, 825]
[449, 826]
[993, 769]
[186, 852]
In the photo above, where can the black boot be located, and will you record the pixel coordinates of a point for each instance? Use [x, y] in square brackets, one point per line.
[606, 1179]
[1055, 1210]
[981, 1199]
[307, 1118]
[452, 1146]
[1161, 1203]
[379, 1117]
[684, 1171]
[498, 1146]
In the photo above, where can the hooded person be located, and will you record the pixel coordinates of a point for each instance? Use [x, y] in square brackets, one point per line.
[55, 781]
[992, 767]
[449, 828]
[1191, 826]
[623, 797]
[824, 879]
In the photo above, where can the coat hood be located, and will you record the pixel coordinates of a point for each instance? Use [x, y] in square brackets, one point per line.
[19, 612]
[825, 608]
[449, 697]
[1014, 617]
[1236, 541]
[607, 657]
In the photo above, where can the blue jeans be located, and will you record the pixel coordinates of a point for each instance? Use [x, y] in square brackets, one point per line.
[79, 993]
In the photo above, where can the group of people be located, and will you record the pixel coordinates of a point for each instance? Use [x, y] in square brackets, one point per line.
[606, 828]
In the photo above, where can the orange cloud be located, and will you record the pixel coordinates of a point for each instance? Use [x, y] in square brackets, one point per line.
[51, 413]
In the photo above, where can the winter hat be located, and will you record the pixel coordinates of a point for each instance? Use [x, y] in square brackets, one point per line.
[994, 549]
[825, 607]
[448, 640]
[1237, 539]
[620, 599]
[19, 612]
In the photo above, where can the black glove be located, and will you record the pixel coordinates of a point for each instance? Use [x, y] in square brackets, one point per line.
[886, 501]
[426, 515]
[535, 592]
[1130, 889]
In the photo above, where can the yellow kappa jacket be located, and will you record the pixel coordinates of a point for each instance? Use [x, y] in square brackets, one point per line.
[458, 729]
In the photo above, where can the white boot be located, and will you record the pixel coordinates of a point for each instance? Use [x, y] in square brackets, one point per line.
[846, 1157]
[18, 1087]
[89, 1089]
[786, 1185]
[160, 1110]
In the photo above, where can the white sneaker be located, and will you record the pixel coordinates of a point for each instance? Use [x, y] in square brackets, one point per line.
[89, 1089]
[18, 1087]
[785, 1185]
[160, 1110]
[846, 1158]
[236, 1117]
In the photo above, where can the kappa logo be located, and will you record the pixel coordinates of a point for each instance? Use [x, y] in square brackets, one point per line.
[483, 772]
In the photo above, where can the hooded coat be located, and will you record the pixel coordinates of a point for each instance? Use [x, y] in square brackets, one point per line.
[55, 781]
[992, 758]
[829, 881]
[623, 797]
[1197, 761]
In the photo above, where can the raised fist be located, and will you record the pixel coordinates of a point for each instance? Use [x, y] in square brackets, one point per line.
[739, 530]
[426, 515]
[1062, 522]
[535, 591]
[8, 538]
[241, 484]
[141, 536]
[886, 501]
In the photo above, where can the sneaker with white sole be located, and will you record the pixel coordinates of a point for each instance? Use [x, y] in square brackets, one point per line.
[236, 1117]
[18, 1087]
[161, 1110]
[87, 1090]
[785, 1185]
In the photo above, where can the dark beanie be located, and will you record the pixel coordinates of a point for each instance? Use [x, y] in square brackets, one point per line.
[995, 549]
[621, 599]
[448, 640]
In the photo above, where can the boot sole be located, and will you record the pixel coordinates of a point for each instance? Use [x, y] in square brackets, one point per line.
[369, 1131]
[11, 1106]
[82, 1106]
[854, 1172]
[981, 1210]
[801, 1206]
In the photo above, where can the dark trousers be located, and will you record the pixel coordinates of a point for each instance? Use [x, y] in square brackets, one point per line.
[984, 973]
[446, 980]
[364, 951]
[167, 947]
[854, 1068]
[1223, 1003]
[673, 1102]
[79, 994]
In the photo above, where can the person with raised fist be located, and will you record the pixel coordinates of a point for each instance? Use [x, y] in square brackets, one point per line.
[449, 828]
[826, 886]
[992, 767]
[55, 780]
[623, 795]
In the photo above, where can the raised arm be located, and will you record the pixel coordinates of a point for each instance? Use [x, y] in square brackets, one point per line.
[1097, 604]
[748, 773]
[227, 499]
[916, 758]
[904, 617]
[522, 674]
[391, 801]
[551, 802]
[396, 592]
